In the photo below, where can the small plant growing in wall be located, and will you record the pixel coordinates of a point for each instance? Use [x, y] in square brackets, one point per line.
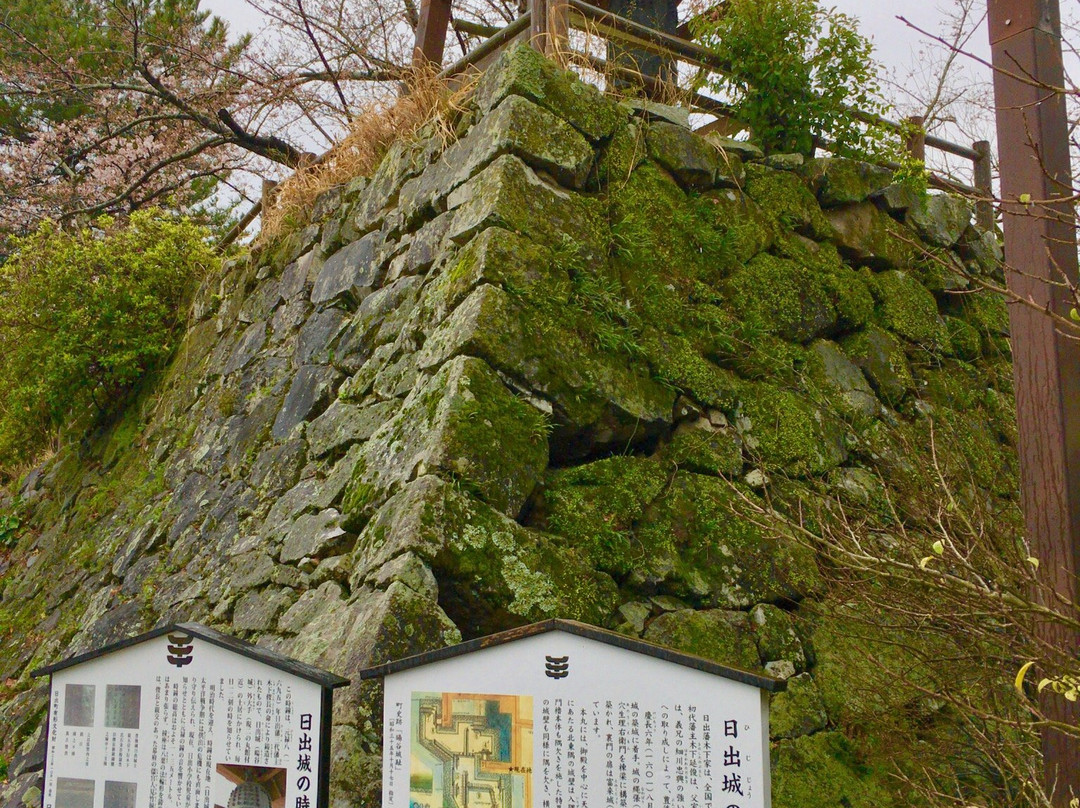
[796, 71]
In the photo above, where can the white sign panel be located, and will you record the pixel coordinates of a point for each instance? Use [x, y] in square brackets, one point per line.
[182, 723]
[557, 720]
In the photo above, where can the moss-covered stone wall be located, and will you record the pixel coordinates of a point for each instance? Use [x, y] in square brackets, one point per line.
[567, 365]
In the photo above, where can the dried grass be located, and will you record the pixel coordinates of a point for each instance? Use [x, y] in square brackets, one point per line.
[426, 103]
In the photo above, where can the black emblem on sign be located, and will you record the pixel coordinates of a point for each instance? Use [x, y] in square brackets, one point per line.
[180, 648]
[557, 667]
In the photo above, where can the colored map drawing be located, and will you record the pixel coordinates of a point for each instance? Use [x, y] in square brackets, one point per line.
[471, 751]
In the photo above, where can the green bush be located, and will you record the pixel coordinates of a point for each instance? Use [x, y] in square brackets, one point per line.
[84, 315]
[793, 68]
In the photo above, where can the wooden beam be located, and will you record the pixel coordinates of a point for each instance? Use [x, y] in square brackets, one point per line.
[550, 26]
[431, 32]
[1040, 253]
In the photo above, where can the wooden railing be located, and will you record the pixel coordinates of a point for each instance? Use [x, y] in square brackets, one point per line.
[547, 24]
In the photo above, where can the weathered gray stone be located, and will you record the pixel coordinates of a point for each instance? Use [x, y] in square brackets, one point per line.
[657, 112]
[277, 467]
[593, 393]
[983, 249]
[258, 611]
[327, 203]
[867, 236]
[360, 338]
[882, 360]
[833, 369]
[335, 568]
[520, 70]
[743, 149]
[350, 274]
[841, 181]
[897, 198]
[247, 348]
[781, 669]
[466, 423]
[517, 126]
[314, 345]
[314, 535]
[635, 614]
[308, 396]
[261, 303]
[424, 248]
[488, 567]
[860, 486]
[940, 218]
[344, 424]
[309, 606]
[693, 161]
[509, 194]
[785, 162]
[409, 569]
[248, 571]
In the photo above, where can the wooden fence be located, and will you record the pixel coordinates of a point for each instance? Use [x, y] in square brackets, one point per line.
[546, 25]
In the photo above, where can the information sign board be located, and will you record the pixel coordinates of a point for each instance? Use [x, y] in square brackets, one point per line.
[185, 717]
[562, 715]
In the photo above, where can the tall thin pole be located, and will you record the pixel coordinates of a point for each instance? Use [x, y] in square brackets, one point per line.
[1040, 253]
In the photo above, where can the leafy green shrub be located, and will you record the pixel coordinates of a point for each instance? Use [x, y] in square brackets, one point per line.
[83, 315]
[794, 67]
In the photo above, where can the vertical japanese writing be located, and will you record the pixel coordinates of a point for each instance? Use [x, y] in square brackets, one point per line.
[305, 749]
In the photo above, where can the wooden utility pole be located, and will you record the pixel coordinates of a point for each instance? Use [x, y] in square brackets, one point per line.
[1040, 253]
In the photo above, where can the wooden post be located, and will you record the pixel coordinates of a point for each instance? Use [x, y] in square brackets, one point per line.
[431, 32]
[1040, 253]
[984, 182]
[550, 27]
[916, 138]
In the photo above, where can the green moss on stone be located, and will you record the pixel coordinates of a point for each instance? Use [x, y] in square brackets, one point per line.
[909, 310]
[596, 506]
[797, 710]
[824, 770]
[694, 543]
[786, 199]
[521, 70]
[702, 448]
[882, 360]
[715, 634]
[788, 433]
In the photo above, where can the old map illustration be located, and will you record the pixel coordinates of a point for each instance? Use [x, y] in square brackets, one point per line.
[471, 751]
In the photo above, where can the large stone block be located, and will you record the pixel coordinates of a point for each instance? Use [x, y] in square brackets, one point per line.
[592, 392]
[350, 274]
[492, 573]
[465, 424]
[517, 126]
[521, 70]
[509, 194]
[867, 236]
